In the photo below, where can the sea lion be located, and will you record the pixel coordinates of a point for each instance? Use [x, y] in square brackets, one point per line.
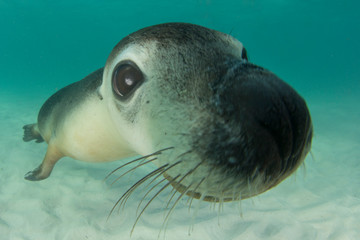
[218, 127]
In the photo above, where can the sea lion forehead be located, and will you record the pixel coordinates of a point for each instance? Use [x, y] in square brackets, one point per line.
[180, 34]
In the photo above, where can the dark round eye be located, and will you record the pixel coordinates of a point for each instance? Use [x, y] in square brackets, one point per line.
[244, 54]
[126, 78]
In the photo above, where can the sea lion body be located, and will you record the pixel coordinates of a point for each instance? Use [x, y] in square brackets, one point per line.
[231, 129]
[75, 123]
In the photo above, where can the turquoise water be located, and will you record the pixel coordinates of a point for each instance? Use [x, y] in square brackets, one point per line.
[298, 40]
[312, 45]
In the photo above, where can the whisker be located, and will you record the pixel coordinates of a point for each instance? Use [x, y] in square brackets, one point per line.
[132, 169]
[183, 154]
[240, 206]
[303, 169]
[202, 196]
[172, 193]
[201, 199]
[138, 159]
[173, 189]
[134, 186]
[219, 198]
[161, 171]
[194, 191]
[181, 134]
[249, 185]
[128, 163]
[169, 201]
[178, 183]
[221, 206]
[171, 165]
[156, 194]
[122, 200]
[180, 197]
[213, 206]
[159, 174]
[148, 192]
[172, 209]
[234, 193]
[312, 155]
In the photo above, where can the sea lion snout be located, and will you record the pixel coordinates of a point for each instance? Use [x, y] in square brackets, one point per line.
[262, 129]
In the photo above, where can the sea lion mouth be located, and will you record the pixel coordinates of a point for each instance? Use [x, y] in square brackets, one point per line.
[194, 194]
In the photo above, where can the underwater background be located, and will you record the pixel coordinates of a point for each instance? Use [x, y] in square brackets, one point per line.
[314, 45]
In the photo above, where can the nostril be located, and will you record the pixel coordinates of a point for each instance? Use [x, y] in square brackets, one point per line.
[232, 160]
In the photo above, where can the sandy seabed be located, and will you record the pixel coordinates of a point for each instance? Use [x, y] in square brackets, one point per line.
[320, 201]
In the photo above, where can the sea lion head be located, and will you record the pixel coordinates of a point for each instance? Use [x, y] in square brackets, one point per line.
[232, 129]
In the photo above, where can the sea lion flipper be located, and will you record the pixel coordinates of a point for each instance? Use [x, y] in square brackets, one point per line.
[31, 133]
[44, 170]
[32, 175]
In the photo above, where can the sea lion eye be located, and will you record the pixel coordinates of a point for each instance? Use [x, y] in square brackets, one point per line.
[244, 54]
[126, 78]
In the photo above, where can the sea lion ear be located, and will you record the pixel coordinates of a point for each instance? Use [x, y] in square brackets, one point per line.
[126, 78]
[244, 55]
